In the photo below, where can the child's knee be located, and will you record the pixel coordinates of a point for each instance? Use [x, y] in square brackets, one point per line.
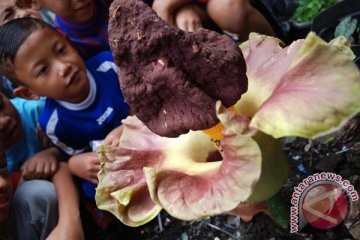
[35, 194]
[230, 14]
[34, 210]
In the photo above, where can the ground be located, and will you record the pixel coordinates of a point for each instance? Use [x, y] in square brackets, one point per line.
[338, 153]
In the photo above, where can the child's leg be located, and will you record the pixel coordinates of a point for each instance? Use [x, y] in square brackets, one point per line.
[34, 210]
[238, 16]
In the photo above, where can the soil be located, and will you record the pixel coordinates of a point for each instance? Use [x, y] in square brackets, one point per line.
[338, 153]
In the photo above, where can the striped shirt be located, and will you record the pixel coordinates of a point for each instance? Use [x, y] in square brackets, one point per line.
[90, 37]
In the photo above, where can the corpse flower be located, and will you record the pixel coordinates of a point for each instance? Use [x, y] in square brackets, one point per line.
[184, 174]
[307, 89]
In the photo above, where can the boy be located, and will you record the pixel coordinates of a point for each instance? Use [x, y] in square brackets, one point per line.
[9, 10]
[34, 206]
[29, 110]
[18, 136]
[85, 22]
[84, 102]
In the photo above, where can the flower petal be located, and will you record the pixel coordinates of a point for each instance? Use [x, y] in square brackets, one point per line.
[192, 195]
[122, 189]
[318, 93]
[267, 61]
[274, 168]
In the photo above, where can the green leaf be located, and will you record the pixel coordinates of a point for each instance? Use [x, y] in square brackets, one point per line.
[279, 210]
[307, 9]
[346, 27]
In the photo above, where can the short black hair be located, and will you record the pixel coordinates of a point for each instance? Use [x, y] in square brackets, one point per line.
[12, 35]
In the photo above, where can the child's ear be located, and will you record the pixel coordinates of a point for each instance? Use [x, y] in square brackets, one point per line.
[26, 93]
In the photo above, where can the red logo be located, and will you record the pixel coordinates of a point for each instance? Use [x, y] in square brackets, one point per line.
[325, 205]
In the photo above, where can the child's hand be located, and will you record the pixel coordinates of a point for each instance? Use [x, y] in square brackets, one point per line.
[42, 165]
[188, 19]
[86, 166]
[114, 136]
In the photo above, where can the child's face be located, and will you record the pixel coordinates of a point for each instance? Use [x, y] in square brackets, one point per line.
[72, 10]
[9, 11]
[5, 189]
[49, 66]
[10, 123]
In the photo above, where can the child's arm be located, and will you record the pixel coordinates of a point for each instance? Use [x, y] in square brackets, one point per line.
[166, 8]
[69, 225]
[42, 164]
[86, 166]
